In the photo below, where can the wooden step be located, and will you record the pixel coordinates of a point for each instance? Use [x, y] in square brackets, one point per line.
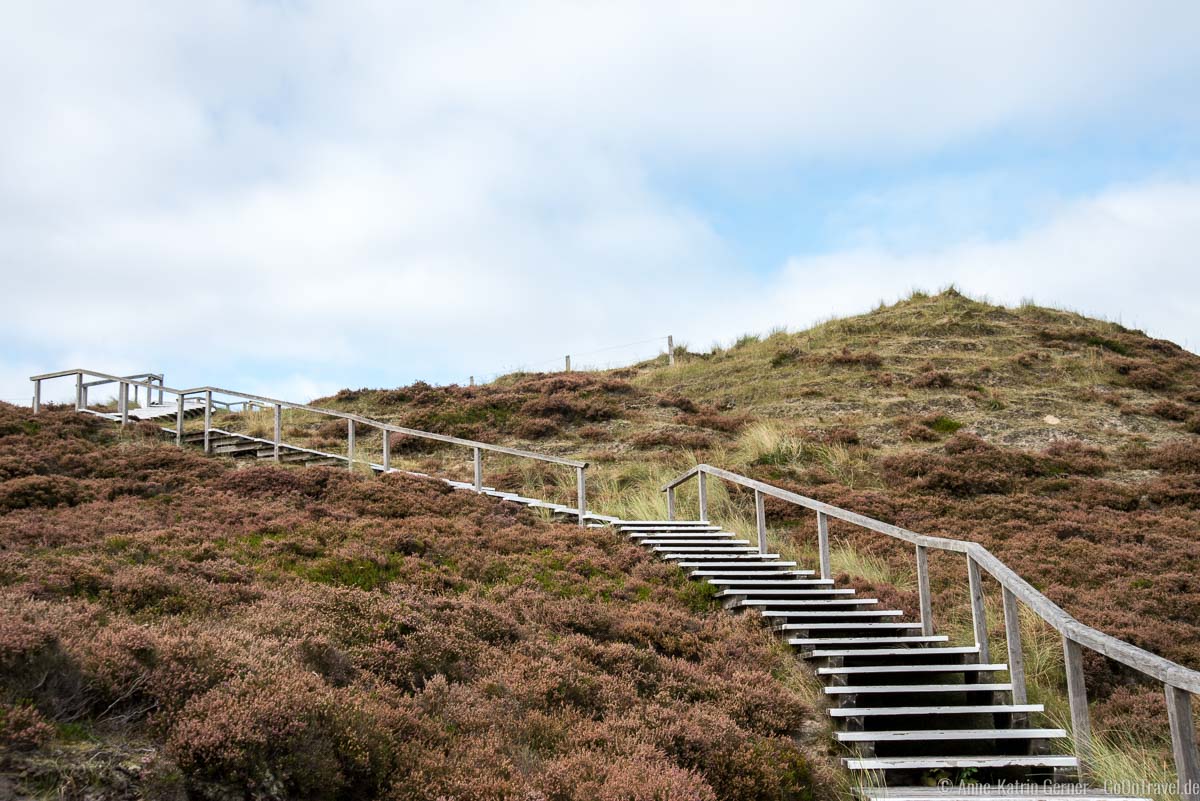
[740, 564]
[923, 735]
[775, 596]
[930, 763]
[865, 641]
[966, 667]
[783, 584]
[1065, 791]
[879, 627]
[887, 653]
[913, 711]
[692, 542]
[711, 571]
[750, 555]
[910, 689]
[806, 604]
[795, 614]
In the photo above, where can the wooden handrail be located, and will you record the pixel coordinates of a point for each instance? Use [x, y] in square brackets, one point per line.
[1179, 681]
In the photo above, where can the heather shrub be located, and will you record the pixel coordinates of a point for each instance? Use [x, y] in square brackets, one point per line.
[678, 402]
[23, 727]
[41, 491]
[1169, 410]
[730, 424]
[1175, 457]
[932, 379]
[672, 438]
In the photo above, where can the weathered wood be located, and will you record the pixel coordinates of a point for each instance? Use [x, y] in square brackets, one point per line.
[823, 545]
[670, 350]
[278, 429]
[179, 419]
[702, 488]
[123, 402]
[671, 503]
[1183, 742]
[926, 599]
[1081, 727]
[37, 395]
[350, 445]
[1016, 654]
[208, 405]
[978, 610]
[760, 517]
[568, 363]
[78, 391]
[581, 494]
[477, 460]
[387, 451]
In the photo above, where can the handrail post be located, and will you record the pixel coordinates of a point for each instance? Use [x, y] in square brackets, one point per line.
[37, 395]
[179, 420]
[1183, 742]
[387, 451]
[123, 402]
[207, 418]
[760, 517]
[477, 457]
[702, 486]
[670, 503]
[923, 591]
[278, 429]
[161, 380]
[978, 611]
[349, 444]
[78, 392]
[1081, 726]
[1016, 656]
[581, 494]
[823, 545]
[670, 350]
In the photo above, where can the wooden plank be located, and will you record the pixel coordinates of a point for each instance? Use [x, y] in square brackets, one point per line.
[1016, 654]
[1183, 742]
[823, 544]
[978, 609]
[1081, 727]
[965, 709]
[760, 518]
[926, 600]
[921, 735]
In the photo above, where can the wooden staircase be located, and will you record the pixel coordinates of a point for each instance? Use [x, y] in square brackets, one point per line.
[908, 707]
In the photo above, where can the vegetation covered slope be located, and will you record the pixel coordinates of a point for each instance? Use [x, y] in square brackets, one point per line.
[1066, 445]
[171, 625]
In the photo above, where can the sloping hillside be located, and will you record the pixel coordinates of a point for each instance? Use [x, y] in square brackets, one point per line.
[172, 625]
[1066, 445]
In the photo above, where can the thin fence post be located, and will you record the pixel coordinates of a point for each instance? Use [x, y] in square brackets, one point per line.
[179, 420]
[278, 429]
[85, 397]
[1183, 742]
[823, 545]
[478, 459]
[923, 590]
[760, 518]
[387, 451]
[37, 395]
[1081, 726]
[670, 503]
[78, 391]
[207, 418]
[472, 380]
[568, 363]
[670, 350]
[349, 444]
[123, 402]
[581, 493]
[702, 485]
[1016, 655]
[978, 611]
[161, 379]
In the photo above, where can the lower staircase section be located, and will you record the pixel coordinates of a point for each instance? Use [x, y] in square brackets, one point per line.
[910, 709]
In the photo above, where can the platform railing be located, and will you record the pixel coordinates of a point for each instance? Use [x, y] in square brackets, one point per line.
[1179, 682]
[247, 400]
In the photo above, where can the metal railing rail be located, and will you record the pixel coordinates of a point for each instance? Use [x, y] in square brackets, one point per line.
[1179, 682]
[278, 405]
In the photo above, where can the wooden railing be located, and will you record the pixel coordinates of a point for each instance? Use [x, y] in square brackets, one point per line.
[155, 382]
[1179, 682]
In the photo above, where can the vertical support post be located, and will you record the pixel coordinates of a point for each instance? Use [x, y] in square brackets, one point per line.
[478, 458]
[1183, 742]
[568, 362]
[823, 544]
[1081, 726]
[349, 444]
[581, 493]
[923, 591]
[37, 395]
[78, 391]
[161, 379]
[207, 418]
[387, 451]
[85, 397]
[472, 380]
[278, 429]
[670, 503]
[978, 612]
[179, 420]
[670, 350]
[702, 485]
[1016, 655]
[123, 402]
[760, 518]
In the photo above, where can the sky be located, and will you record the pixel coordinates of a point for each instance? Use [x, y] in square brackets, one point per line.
[293, 197]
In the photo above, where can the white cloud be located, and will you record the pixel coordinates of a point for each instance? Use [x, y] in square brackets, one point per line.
[260, 192]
